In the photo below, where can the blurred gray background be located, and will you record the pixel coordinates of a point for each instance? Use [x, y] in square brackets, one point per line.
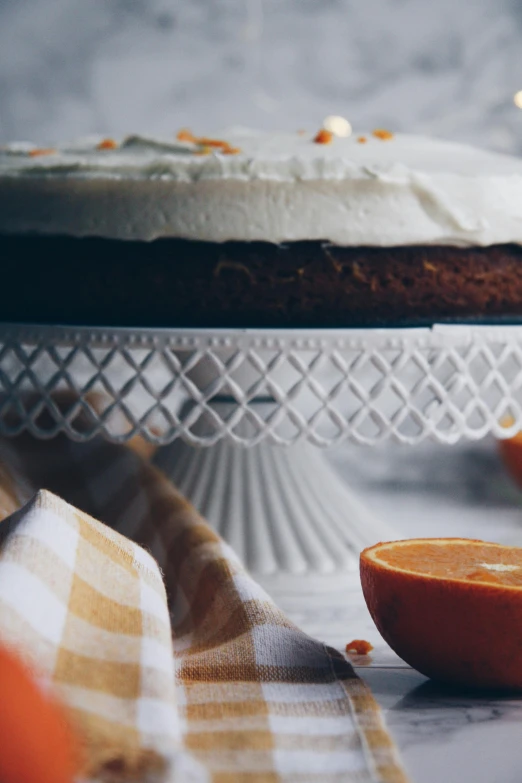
[442, 67]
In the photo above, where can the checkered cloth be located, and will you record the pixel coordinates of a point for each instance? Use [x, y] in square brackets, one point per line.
[204, 681]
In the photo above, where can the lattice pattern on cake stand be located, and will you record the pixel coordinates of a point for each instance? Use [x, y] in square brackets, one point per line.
[287, 514]
[322, 386]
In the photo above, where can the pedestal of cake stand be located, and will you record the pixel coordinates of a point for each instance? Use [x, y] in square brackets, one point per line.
[246, 410]
[293, 522]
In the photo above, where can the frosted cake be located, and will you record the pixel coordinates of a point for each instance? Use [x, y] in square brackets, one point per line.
[260, 230]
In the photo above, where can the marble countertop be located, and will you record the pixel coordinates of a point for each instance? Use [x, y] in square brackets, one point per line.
[444, 735]
[449, 69]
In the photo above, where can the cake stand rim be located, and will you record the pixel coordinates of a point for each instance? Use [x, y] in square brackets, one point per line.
[439, 334]
[404, 344]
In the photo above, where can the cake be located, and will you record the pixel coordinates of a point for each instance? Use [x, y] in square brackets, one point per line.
[260, 230]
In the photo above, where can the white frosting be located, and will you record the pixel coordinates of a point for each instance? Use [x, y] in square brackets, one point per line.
[279, 188]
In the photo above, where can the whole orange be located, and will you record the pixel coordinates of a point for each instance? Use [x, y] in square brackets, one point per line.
[511, 452]
[37, 744]
[450, 607]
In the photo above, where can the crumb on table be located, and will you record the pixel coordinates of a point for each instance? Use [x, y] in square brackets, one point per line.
[359, 647]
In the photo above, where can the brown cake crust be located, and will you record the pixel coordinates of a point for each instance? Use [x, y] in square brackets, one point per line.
[175, 282]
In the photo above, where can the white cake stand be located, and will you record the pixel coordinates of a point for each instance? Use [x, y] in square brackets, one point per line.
[227, 401]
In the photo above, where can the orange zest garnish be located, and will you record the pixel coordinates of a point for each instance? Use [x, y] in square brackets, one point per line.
[41, 151]
[362, 139]
[324, 137]
[107, 144]
[219, 144]
[185, 135]
[384, 135]
[206, 144]
[359, 647]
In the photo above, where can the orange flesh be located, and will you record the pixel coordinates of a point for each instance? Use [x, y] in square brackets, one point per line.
[463, 560]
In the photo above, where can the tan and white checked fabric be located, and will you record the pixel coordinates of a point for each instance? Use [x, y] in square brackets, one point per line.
[239, 694]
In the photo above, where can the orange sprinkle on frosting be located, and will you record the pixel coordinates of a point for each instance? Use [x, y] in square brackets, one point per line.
[107, 144]
[362, 139]
[218, 144]
[41, 151]
[324, 137]
[186, 135]
[206, 144]
[384, 135]
[359, 646]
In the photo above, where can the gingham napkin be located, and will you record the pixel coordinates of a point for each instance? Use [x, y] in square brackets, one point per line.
[239, 694]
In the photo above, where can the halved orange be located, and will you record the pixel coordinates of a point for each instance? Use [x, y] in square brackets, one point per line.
[450, 607]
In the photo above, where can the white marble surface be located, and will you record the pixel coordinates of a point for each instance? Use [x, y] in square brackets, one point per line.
[447, 736]
[444, 735]
[69, 67]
